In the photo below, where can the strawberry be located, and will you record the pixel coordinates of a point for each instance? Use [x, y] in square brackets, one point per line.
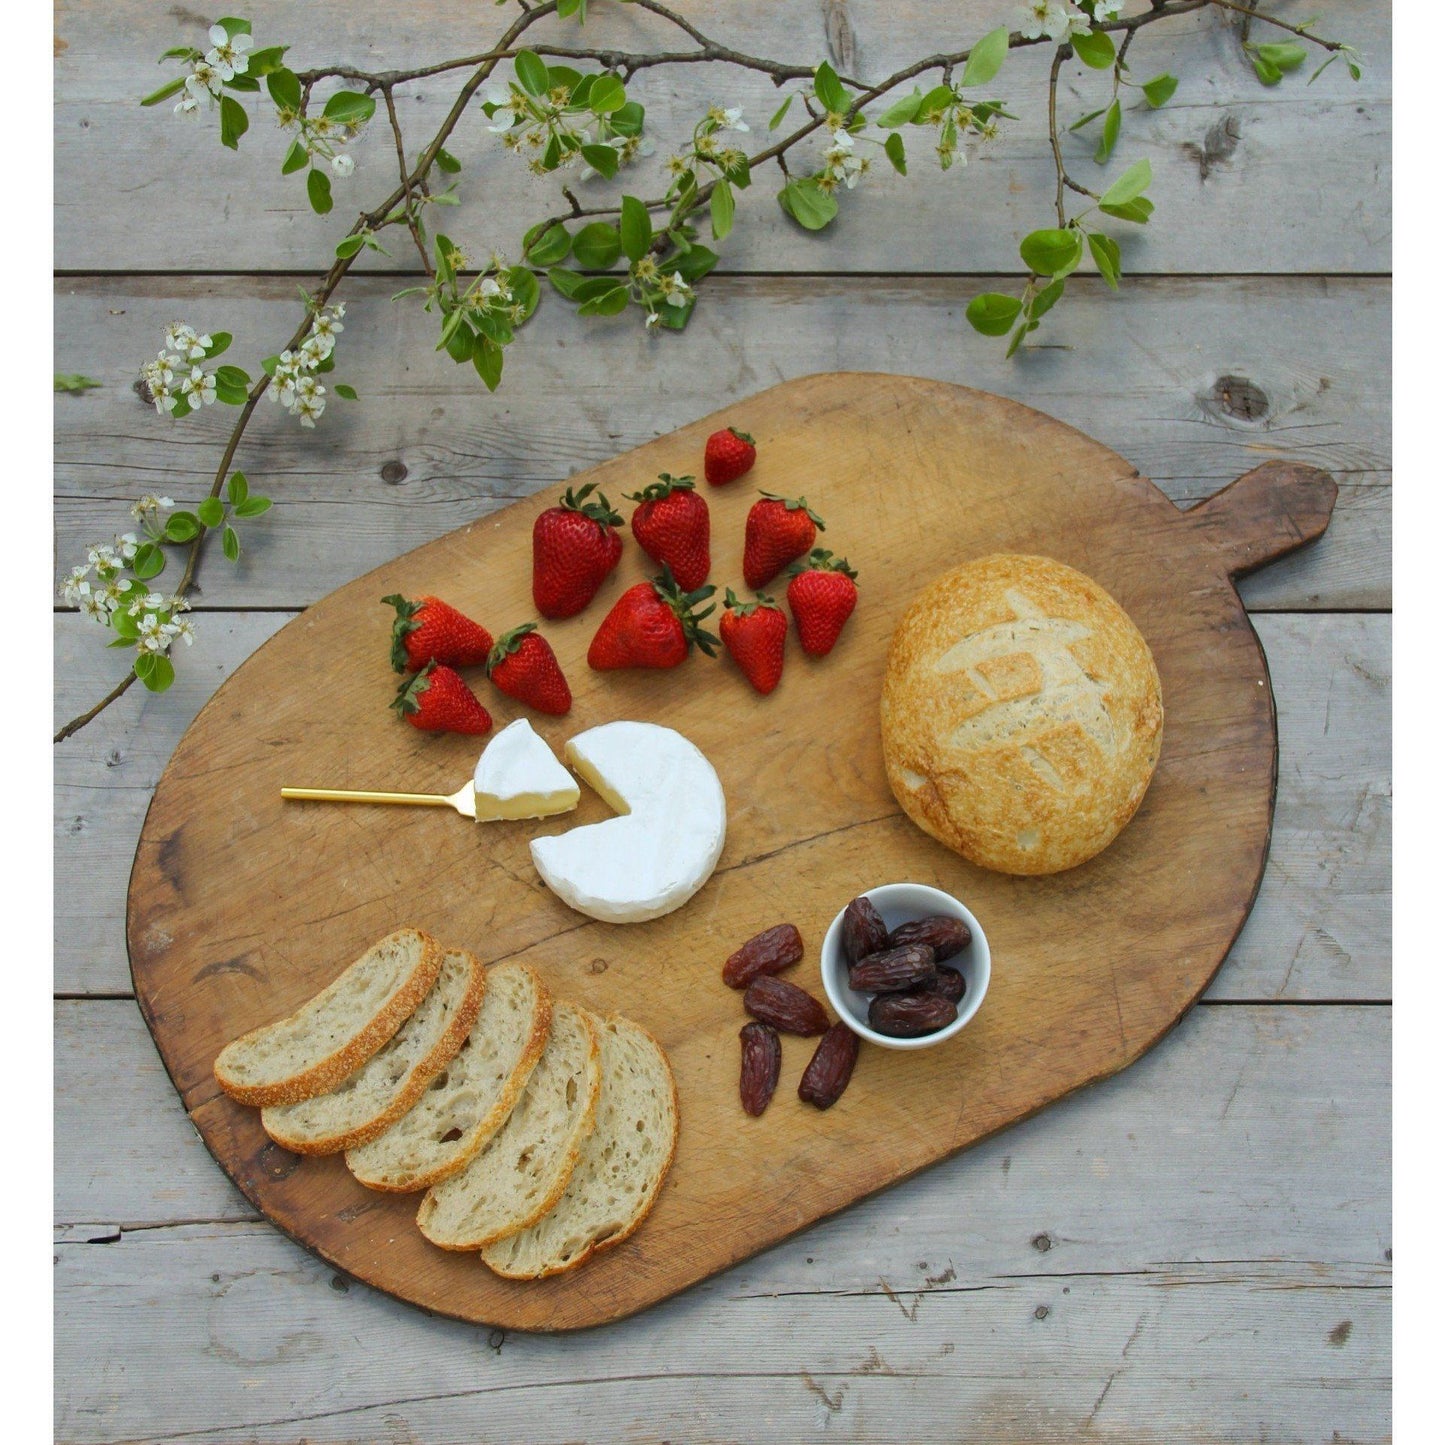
[524, 666]
[822, 595]
[754, 633]
[574, 546]
[653, 624]
[728, 454]
[436, 700]
[671, 525]
[778, 530]
[430, 630]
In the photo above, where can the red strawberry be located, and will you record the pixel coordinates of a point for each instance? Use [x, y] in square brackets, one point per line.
[430, 630]
[524, 666]
[754, 633]
[653, 624]
[728, 454]
[671, 525]
[436, 700]
[778, 530]
[822, 596]
[574, 546]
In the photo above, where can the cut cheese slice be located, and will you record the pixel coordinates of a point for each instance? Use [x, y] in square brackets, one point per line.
[663, 847]
[518, 776]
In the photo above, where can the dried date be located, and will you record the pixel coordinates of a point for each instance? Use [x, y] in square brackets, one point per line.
[785, 1006]
[830, 1068]
[894, 968]
[864, 930]
[762, 1062]
[770, 951]
[945, 936]
[947, 983]
[910, 1015]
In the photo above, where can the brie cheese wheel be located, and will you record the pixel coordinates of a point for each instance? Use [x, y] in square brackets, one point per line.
[664, 845]
[518, 776]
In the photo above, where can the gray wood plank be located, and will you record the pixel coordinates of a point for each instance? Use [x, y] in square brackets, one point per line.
[1198, 1248]
[1235, 181]
[1320, 928]
[427, 450]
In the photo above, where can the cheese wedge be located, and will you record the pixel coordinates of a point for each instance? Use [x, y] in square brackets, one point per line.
[666, 841]
[518, 776]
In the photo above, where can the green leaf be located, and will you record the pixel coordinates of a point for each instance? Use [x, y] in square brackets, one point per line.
[525, 291]
[628, 120]
[986, 57]
[238, 488]
[349, 245]
[161, 676]
[1160, 90]
[591, 287]
[1329, 61]
[901, 112]
[1105, 251]
[220, 340]
[1134, 182]
[934, 103]
[564, 9]
[739, 172]
[546, 248]
[1083, 120]
[532, 73]
[180, 52]
[349, 107]
[1052, 252]
[693, 264]
[1045, 299]
[234, 122]
[255, 506]
[1282, 57]
[579, 86]
[636, 228]
[212, 512]
[170, 88]
[675, 318]
[779, 113]
[992, 314]
[567, 281]
[285, 89]
[829, 89]
[609, 303]
[181, 527]
[1138, 210]
[234, 26]
[318, 191]
[487, 358]
[447, 162]
[1110, 135]
[607, 95]
[1268, 74]
[230, 543]
[602, 159]
[149, 562]
[346, 393]
[893, 149]
[809, 206]
[1095, 48]
[268, 365]
[242, 82]
[73, 382]
[232, 376]
[265, 63]
[722, 207]
[296, 157]
[597, 246]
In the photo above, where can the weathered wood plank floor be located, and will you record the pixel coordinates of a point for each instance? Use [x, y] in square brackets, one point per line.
[1198, 1249]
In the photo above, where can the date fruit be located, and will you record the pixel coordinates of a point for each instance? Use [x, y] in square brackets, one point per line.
[945, 936]
[864, 930]
[762, 1062]
[910, 1015]
[830, 1068]
[770, 951]
[894, 968]
[785, 1006]
[947, 983]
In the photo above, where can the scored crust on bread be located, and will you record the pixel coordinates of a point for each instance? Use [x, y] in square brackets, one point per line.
[1021, 714]
[521, 1172]
[621, 1168]
[330, 1036]
[369, 1101]
[472, 1096]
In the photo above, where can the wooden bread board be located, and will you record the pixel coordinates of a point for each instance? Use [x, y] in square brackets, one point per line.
[241, 906]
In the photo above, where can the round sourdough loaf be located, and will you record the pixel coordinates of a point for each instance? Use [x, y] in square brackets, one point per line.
[1021, 714]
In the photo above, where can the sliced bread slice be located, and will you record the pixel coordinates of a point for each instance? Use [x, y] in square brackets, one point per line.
[332, 1035]
[621, 1168]
[470, 1099]
[523, 1170]
[371, 1100]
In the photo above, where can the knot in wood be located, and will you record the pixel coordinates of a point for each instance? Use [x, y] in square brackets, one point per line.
[393, 472]
[1238, 398]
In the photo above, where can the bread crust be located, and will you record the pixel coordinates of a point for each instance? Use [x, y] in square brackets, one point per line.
[321, 1078]
[1021, 714]
[443, 1052]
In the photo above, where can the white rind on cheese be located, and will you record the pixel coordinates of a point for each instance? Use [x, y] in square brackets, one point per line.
[664, 845]
[518, 776]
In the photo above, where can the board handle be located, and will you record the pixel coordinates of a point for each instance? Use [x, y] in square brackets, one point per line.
[1266, 513]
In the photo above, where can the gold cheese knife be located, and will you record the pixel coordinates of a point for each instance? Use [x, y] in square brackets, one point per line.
[464, 800]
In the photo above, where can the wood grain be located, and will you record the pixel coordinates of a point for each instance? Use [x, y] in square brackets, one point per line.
[1094, 965]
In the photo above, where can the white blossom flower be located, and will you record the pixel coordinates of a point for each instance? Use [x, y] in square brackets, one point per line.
[183, 631]
[841, 164]
[1107, 9]
[729, 118]
[75, 587]
[187, 105]
[328, 322]
[149, 637]
[199, 387]
[490, 287]
[102, 557]
[147, 504]
[93, 606]
[316, 349]
[308, 408]
[654, 318]
[204, 81]
[342, 165]
[150, 602]
[228, 54]
[126, 545]
[677, 291]
[1058, 19]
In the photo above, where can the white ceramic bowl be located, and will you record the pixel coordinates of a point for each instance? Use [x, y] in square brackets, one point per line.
[902, 903]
